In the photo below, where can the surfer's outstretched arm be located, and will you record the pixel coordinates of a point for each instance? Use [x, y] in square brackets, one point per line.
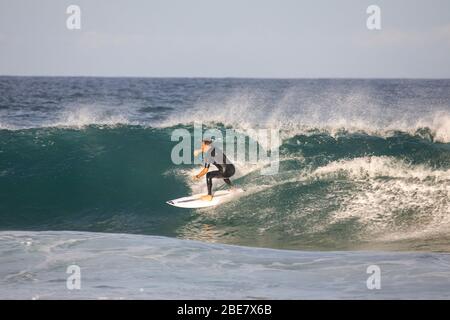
[201, 173]
[197, 152]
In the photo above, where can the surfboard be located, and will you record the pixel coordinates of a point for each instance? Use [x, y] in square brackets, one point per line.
[194, 201]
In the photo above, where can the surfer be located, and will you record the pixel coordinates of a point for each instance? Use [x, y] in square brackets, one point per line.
[213, 155]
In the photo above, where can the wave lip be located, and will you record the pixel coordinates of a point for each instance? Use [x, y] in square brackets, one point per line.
[117, 266]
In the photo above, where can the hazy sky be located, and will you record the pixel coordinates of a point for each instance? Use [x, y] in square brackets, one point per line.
[226, 38]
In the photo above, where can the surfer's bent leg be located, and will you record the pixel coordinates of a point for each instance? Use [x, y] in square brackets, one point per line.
[226, 174]
[209, 177]
[229, 172]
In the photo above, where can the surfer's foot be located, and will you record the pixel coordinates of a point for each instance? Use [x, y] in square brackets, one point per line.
[207, 197]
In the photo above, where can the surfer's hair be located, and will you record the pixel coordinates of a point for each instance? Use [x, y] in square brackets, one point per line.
[207, 141]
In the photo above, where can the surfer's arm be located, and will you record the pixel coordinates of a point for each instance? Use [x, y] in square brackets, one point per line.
[202, 173]
[197, 152]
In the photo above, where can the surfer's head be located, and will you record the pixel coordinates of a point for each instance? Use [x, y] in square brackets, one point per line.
[206, 144]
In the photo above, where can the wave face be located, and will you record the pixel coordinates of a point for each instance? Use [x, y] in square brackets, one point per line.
[103, 179]
[117, 266]
[363, 164]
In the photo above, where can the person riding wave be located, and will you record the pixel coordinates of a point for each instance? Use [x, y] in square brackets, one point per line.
[215, 156]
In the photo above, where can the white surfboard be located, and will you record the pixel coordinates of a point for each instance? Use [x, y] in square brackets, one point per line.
[194, 201]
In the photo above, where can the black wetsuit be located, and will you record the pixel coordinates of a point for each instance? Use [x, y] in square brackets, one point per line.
[225, 168]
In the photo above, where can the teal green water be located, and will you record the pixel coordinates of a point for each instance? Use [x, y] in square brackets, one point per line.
[342, 191]
[91, 179]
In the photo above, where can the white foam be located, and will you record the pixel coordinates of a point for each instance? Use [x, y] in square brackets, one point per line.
[117, 266]
[84, 115]
[382, 166]
[389, 198]
[392, 199]
[331, 112]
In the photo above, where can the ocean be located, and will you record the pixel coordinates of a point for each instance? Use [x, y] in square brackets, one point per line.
[364, 178]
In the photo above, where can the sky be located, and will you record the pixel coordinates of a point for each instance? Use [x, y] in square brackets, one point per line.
[226, 38]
